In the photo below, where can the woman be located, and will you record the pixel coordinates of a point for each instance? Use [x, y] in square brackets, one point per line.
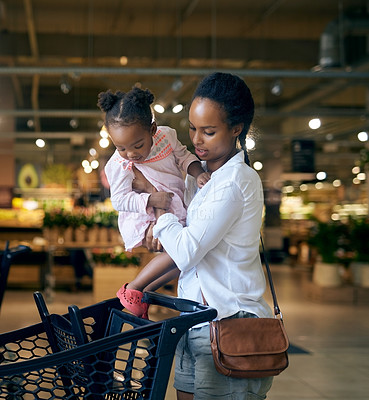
[217, 252]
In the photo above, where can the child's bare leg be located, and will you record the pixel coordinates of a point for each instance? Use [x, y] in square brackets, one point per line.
[158, 283]
[158, 267]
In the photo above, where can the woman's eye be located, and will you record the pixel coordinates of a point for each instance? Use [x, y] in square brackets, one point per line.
[209, 133]
[139, 146]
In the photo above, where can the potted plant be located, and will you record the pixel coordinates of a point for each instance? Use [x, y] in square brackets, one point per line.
[108, 226]
[331, 241]
[54, 224]
[359, 240]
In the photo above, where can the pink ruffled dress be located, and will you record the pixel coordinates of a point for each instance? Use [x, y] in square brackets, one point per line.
[164, 168]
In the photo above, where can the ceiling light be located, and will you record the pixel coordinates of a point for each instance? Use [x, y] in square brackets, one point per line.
[85, 163]
[362, 136]
[92, 152]
[258, 165]
[356, 181]
[177, 108]
[74, 123]
[303, 187]
[315, 123]
[65, 85]
[94, 164]
[123, 60]
[88, 169]
[321, 175]
[40, 143]
[104, 143]
[250, 144]
[159, 108]
[104, 133]
[355, 170]
[361, 176]
[336, 183]
[319, 185]
[30, 123]
[276, 88]
[288, 189]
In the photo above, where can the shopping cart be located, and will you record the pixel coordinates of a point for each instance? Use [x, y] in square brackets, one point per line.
[7, 257]
[96, 352]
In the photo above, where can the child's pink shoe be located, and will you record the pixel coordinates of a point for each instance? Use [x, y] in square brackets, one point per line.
[131, 299]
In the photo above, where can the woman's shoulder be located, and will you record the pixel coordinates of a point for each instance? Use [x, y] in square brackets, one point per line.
[240, 179]
[237, 170]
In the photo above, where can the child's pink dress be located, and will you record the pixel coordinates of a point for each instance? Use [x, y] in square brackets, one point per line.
[163, 168]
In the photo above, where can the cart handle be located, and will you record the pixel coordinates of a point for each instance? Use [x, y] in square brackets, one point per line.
[175, 303]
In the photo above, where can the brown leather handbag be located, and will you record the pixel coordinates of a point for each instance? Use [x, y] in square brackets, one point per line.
[251, 347]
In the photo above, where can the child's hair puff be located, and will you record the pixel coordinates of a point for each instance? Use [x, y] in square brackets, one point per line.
[133, 107]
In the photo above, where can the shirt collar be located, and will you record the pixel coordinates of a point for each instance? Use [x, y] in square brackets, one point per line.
[236, 159]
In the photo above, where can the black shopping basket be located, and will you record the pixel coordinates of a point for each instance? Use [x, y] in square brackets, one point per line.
[96, 352]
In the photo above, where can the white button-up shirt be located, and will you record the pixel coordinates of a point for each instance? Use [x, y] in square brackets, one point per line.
[218, 250]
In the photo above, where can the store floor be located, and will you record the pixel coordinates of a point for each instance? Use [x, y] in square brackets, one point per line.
[330, 341]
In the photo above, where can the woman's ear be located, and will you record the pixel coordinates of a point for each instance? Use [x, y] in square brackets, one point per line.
[237, 129]
[153, 128]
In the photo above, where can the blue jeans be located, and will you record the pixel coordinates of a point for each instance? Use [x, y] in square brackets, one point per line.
[195, 371]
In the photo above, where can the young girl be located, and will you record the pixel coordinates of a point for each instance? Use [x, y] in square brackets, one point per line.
[155, 152]
[217, 251]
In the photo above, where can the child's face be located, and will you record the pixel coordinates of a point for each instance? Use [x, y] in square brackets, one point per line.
[214, 140]
[133, 142]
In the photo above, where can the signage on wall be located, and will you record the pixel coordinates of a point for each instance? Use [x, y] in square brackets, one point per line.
[303, 155]
[28, 177]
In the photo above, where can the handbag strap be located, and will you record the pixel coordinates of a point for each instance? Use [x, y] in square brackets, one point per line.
[276, 308]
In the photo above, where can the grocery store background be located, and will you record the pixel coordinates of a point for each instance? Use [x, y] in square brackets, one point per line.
[307, 65]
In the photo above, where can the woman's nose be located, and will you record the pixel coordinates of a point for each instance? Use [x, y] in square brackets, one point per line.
[195, 138]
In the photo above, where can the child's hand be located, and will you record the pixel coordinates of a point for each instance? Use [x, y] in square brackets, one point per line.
[150, 242]
[160, 200]
[158, 212]
[202, 179]
[140, 184]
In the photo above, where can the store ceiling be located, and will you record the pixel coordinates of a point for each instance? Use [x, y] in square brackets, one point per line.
[168, 46]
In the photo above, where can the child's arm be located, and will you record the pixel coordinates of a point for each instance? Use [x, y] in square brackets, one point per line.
[157, 199]
[187, 161]
[195, 169]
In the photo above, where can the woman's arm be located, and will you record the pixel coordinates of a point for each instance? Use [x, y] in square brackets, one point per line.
[208, 225]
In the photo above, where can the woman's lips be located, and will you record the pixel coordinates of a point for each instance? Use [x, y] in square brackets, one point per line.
[201, 153]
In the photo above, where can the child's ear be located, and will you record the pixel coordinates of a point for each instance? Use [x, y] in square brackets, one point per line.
[237, 129]
[153, 128]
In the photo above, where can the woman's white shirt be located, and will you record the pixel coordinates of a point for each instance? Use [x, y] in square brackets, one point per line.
[218, 249]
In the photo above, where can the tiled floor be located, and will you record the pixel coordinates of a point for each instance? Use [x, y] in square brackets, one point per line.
[335, 335]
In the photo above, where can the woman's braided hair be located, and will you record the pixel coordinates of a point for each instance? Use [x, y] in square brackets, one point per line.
[133, 107]
[234, 97]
